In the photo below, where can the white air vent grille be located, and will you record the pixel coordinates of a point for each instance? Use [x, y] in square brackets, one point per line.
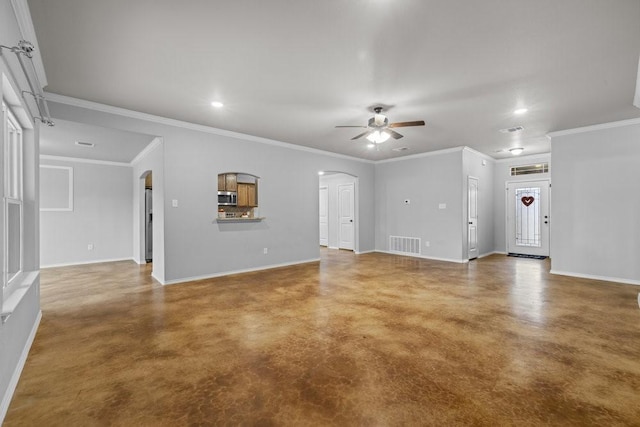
[400, 149]
[85, 144]
[511, 130]
[404, 245]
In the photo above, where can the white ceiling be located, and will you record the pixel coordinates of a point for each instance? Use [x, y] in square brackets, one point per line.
[293, 70]
[110, 144]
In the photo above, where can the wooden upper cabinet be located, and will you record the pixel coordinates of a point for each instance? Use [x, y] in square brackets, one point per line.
[231, 182]
[247, 195]
[227, 182]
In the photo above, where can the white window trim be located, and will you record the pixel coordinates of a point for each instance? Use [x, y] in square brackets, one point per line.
[10, 120]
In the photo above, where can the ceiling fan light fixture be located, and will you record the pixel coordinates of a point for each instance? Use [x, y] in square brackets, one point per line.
[516, 151]
[217, 104]
[520, 111]
[378, 137]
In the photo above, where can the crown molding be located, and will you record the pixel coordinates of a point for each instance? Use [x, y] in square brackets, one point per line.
[79, 160]
[478, 153]
[521, 159]
[28, 32]
[592, 128]
[157, 141]
[420, 155]
[81, 103]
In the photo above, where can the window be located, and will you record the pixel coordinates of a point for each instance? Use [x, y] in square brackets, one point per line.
[13, 216]
[530, 169]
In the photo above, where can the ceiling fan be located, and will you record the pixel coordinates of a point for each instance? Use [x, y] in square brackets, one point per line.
[379, 129]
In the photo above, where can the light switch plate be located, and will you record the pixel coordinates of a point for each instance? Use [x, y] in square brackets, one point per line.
[442, 206]
[174, 203]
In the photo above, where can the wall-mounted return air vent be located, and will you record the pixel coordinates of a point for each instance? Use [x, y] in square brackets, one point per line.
[404, 245]
[512, 130]
[401, 149]
[85, 144]
[530, 169]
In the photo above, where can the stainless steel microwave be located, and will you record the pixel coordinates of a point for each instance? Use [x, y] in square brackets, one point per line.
[227, 198]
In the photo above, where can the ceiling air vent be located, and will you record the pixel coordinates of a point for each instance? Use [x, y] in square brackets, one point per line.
[511, 130]
[401, 149]
[85, 144]
[530, 169]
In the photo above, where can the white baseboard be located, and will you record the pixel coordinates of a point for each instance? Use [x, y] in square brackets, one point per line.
[228, 273]
[458, 261]
[70, 264]
[593, 277]
[364, 252]
[492, 253]
[13, 383]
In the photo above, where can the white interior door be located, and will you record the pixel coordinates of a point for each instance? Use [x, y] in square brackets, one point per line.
[472, 233]
[324, 216]
[346, 216]
[528, 217]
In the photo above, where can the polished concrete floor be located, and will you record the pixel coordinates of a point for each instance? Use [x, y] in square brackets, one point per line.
[371, 340]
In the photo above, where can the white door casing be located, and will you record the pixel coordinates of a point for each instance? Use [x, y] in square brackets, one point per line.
[346, 216]
[528, 217]
[324, 216]
[472, 209]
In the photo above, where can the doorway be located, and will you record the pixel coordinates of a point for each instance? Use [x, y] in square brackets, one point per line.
[528, 218]
[472, 218]
[338, 211]
[324, 216]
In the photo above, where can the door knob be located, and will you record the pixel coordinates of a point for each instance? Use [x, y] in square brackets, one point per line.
[350, 220]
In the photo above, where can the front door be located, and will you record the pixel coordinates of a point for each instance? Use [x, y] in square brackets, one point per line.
[472, 218]
[346, 215]
[528, 217]
[324, 216]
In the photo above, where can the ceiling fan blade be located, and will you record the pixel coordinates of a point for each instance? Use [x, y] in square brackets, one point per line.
[405, 124]
[360, 136]
[393, 133]
[364, 127]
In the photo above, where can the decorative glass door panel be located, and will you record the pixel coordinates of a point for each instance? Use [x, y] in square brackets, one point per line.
[528, 217]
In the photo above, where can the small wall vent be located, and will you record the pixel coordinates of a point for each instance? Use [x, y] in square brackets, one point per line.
[400, 149]
[511, 130]
[85, 144]
[404, 245]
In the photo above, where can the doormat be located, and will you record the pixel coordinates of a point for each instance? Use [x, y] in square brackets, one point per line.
[528, 256]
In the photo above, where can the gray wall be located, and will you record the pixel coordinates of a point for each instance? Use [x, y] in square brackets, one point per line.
[195, 244]
[501, 178]
[482, 167]
[595, 204]
[426, 181]
[102, 209]
[19, 329]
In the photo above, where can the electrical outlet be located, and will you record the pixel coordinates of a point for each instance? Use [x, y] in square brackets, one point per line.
[174, 203]
[427, 243]
[90, 247]
[265, 251]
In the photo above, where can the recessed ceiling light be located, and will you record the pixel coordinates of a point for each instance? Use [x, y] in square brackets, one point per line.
[371, 145]
[217, 104]
[520, 111]
[85, 144]
[320, 172]
[516, 151]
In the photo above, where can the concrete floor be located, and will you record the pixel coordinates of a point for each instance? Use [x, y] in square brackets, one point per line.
[372, 339]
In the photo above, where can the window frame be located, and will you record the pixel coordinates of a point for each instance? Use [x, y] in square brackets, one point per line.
[13, 149]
